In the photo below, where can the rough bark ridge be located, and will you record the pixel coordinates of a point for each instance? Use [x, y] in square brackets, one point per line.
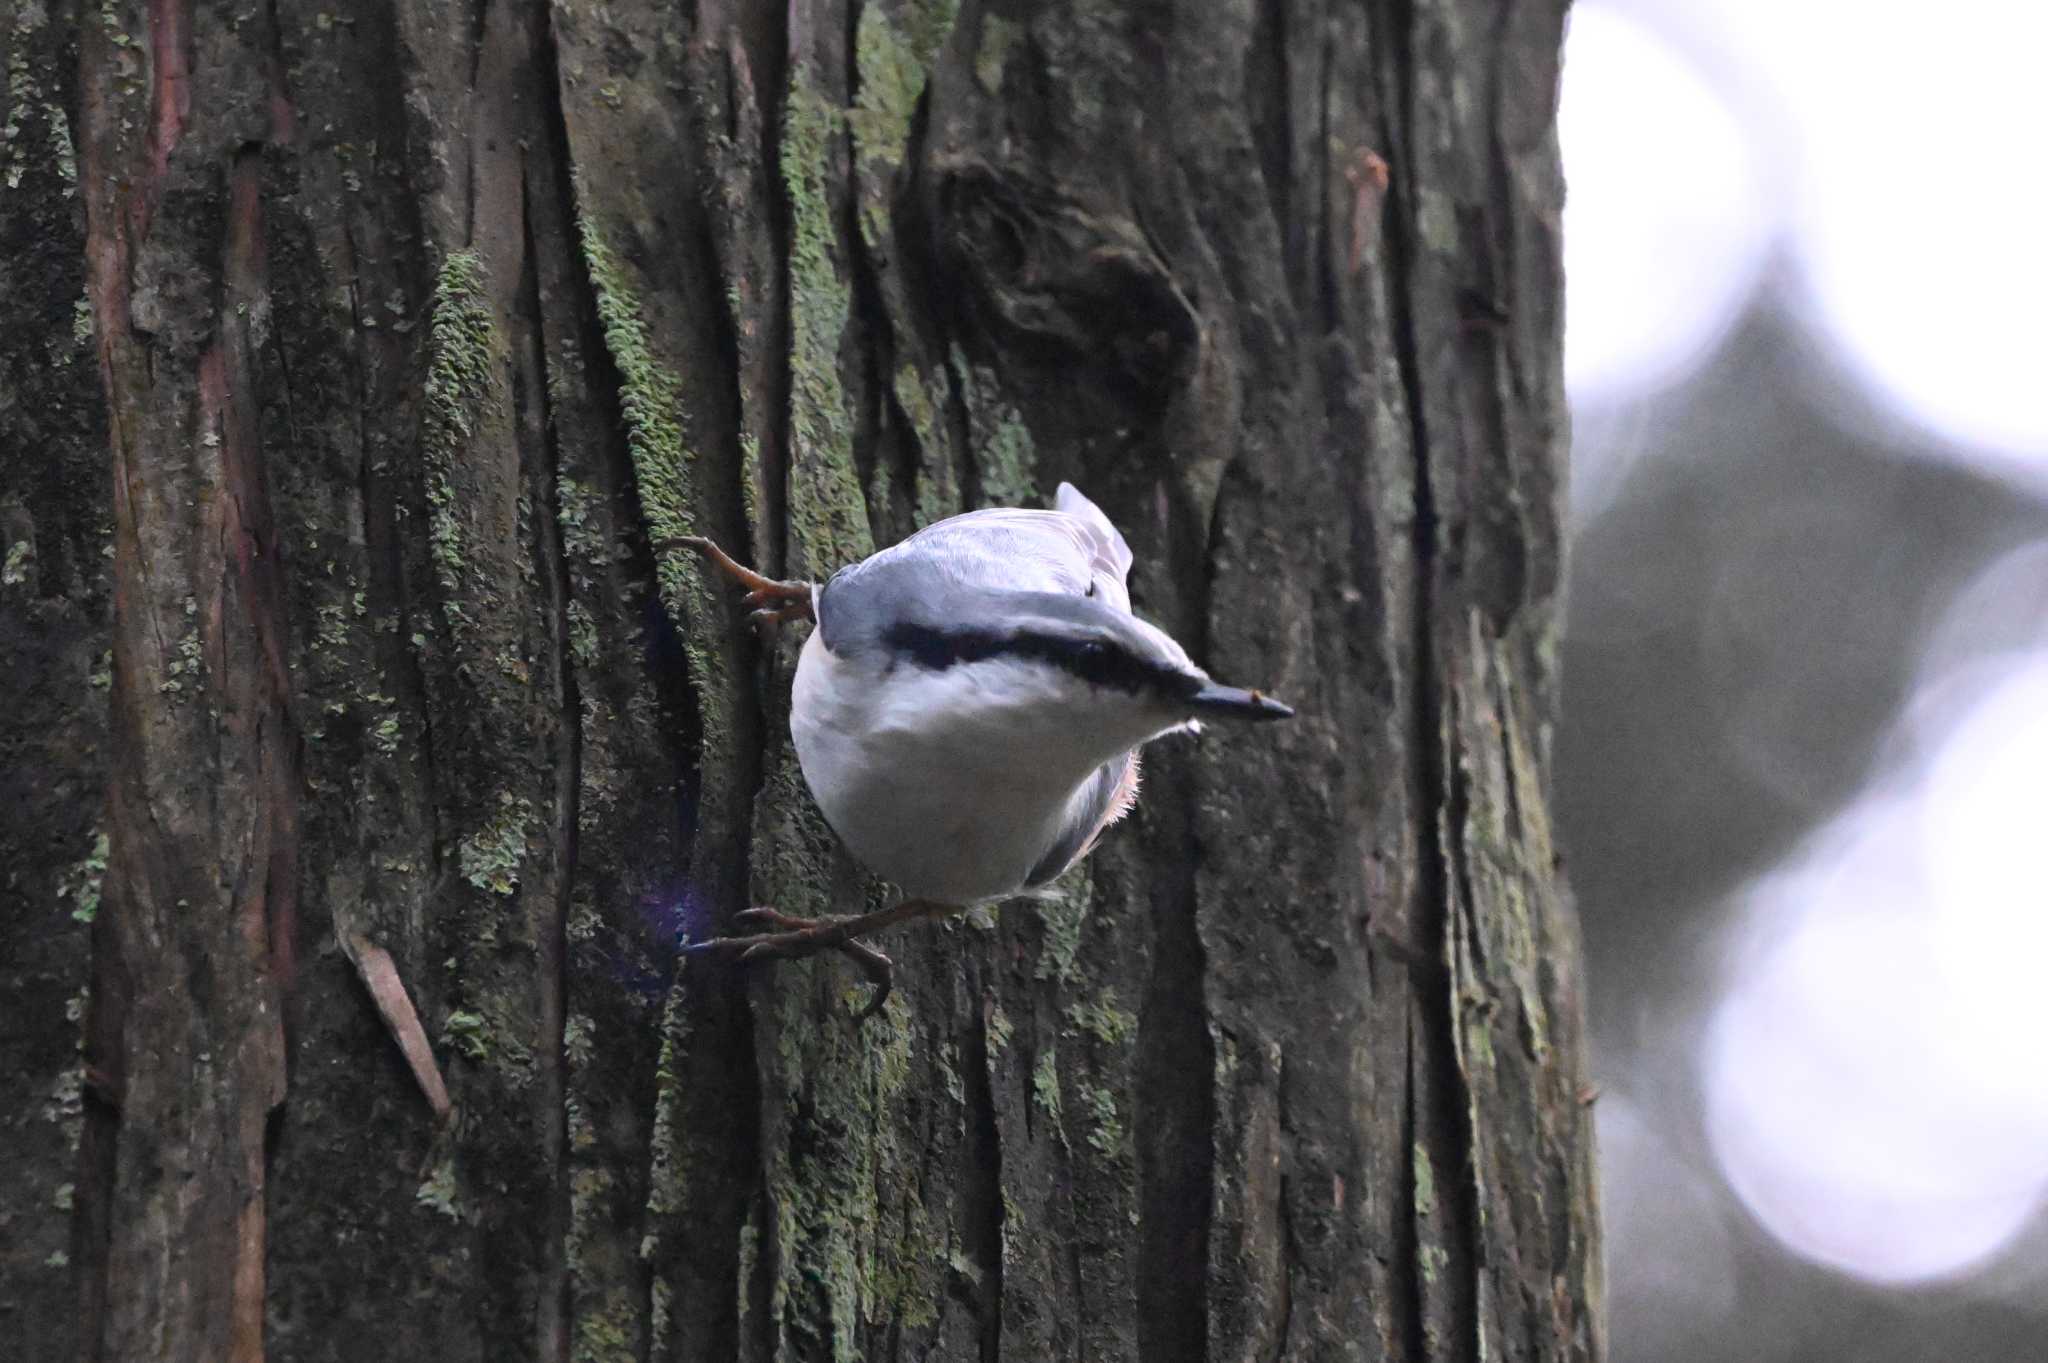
[418, 322]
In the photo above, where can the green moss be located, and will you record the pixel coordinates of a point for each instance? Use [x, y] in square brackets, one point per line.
[1063, 916]
[949, 1069]
[1104, 1019]
[14, 571]
[603, 1310]
[998, 36]
[1477, 1035]
[460, 341]
[385, 733]
[938, 492]
[668, 1181]
[466, 1031]
[439, 1189]
[1105, 1126]
[1001, 442]
[894, 54]
[490, 857]
[186, 667]
[892, 64]
[577, 512]
[24, 94]
[605, 1334]
[65, 1105]
[583, 637]
[579, 1041]
[826, 507]
[1045, 1085]
[1013, 1223]
[926, 26]
[489, 1033]
[651, 400]
[81, 884]
[854, 1243]
[60, 141]
[891, 78]
[661, 1305]
[751, 476]
[1425, 1183]
[907, 1280]
[750, 1251]
[842, 1260]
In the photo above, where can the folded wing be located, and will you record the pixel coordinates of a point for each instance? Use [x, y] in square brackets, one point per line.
[1071, 551]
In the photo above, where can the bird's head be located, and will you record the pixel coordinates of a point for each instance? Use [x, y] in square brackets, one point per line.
[1089, 676]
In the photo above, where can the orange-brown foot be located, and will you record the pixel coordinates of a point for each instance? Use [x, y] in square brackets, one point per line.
[800, 937]
[774, 602]
[807, 936]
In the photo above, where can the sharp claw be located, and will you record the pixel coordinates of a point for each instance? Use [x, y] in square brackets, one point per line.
[878, 968]
[882, 990]
[721, 945]
[780, 615]
[881, 973]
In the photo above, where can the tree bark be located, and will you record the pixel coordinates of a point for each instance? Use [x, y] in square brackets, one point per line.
[417, 324]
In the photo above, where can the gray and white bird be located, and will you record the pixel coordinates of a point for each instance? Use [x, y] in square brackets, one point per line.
[969, 710]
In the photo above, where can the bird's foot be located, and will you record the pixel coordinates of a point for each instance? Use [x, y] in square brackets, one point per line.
[800, 937]
[773, 602]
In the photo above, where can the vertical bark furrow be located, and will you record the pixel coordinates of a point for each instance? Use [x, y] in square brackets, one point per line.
[640, 161]
[1176, 1133]
[543, 475]
[984, 1218]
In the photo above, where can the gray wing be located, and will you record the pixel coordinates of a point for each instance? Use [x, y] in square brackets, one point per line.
[1103, 799]
[1073, 551]
[1068, 550]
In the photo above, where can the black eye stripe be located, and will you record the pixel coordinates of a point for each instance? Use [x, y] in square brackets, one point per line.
[1097, 661]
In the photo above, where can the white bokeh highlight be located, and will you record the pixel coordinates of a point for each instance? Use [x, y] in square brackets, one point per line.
[1918, 201]
[1873, 1080]
[1920, 229]
[1666, 219]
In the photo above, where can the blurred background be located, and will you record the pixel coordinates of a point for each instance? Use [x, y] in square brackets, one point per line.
[1802, 766]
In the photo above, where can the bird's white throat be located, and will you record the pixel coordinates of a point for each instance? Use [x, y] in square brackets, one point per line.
[953, 782]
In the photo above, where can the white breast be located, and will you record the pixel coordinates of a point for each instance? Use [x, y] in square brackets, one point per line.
[934, 779]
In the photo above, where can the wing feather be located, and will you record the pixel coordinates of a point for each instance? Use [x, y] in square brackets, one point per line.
[1067, 551]
[1072, 551]
[1103, 799]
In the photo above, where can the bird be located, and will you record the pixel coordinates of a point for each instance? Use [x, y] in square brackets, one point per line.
[968, 712]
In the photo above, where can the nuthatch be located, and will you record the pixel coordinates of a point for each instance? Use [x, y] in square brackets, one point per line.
[969, 709]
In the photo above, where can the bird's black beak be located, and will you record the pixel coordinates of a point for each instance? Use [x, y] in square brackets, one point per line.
[1229, 702]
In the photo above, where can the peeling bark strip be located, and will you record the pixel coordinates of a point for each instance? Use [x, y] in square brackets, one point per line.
[419, 323]
[203, 842]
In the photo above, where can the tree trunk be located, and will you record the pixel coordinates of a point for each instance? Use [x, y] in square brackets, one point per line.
[418, 323]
